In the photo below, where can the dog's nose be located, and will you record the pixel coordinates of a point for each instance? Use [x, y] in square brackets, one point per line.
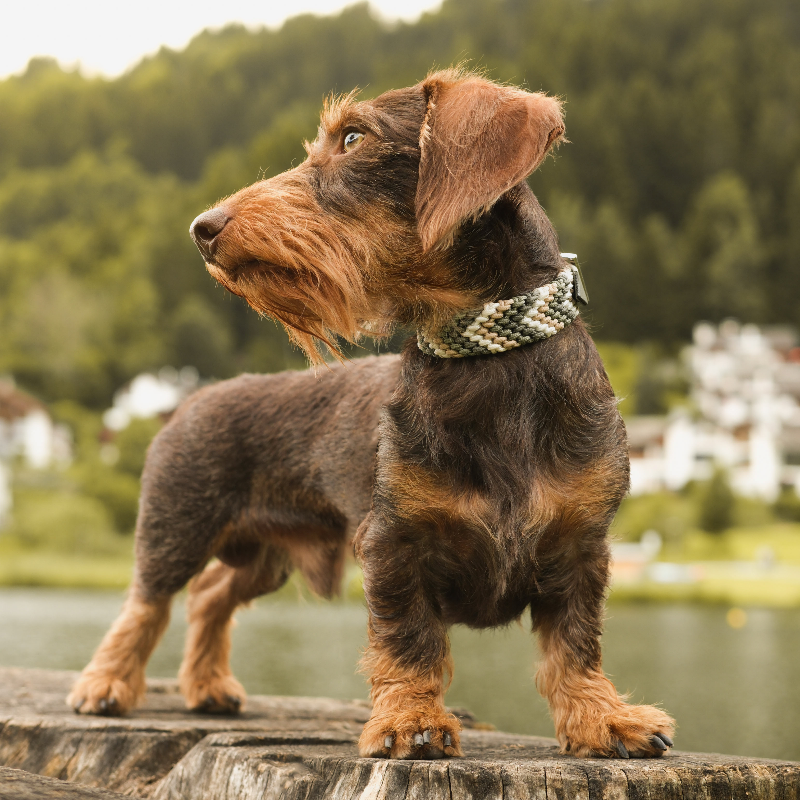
[205, 229]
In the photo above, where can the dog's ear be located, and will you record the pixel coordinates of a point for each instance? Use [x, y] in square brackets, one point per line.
[477, 141]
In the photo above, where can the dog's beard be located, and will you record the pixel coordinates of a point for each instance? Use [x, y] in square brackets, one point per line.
[315, 308]
[292, 262]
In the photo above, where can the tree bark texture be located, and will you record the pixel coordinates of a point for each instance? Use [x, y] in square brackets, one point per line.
[304, 749]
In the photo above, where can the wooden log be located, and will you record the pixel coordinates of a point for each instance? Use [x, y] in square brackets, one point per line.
[16, 784]
[293, 748]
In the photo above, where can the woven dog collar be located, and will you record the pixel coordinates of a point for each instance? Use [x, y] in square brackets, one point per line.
[508, 324]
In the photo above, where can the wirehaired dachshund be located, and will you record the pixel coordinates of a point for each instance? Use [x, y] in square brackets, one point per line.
[475, 475]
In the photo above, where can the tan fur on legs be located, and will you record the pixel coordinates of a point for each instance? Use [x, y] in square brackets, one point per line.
[589, 716]
[407, 702]
[205, 676]
[114, 681]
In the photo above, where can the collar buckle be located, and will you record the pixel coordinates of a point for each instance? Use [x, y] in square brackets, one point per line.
[579, 293]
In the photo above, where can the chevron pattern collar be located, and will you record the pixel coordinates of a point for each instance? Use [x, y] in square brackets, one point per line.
[507, 324]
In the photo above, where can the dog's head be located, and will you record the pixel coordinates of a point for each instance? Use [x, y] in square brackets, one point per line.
[361, 233]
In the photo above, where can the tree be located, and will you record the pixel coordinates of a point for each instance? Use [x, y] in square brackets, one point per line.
[716, 503]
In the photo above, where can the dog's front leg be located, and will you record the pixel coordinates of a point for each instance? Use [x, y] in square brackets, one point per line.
[591, 718]
[407, 658]
[114, 681]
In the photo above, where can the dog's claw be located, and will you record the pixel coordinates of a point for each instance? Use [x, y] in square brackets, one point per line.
[388, 742]
[234, 701]
[418, 740]
[447, 740]
[76, 707]
[664, 738]
[657, 743]
[103, 706]
[426, 737]
[622, 751]
[208, 702]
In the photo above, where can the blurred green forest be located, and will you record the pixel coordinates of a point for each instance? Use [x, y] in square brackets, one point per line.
[680, 189]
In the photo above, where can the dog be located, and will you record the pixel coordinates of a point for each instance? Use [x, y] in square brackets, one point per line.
[475, 475]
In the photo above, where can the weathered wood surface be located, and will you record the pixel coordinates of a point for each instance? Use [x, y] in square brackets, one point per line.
[16, 784]
[293, 748]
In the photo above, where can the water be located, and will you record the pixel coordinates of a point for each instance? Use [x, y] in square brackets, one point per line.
[733, 691]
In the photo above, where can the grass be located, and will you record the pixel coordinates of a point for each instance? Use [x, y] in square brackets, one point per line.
[21, 566]
[59, 537]
[42, 568]
[740, 544]
[747, 566]
[719, 589]
[105, 561]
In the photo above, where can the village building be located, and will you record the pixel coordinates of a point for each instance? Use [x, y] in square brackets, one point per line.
[149, 395]
[27, 434]
[743, 416]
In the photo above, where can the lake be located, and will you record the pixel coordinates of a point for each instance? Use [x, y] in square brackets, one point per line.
[733, 690]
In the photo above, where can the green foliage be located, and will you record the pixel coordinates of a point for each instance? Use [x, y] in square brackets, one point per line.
[111, 476]
[680, 189]
[671, 514]
[132, 443]
[61, 522]
[787, 506]
[86, 427]
[716, 504]
[201, 338]
[116, 490]
[106, 473]
[703, 508]
[647, 378]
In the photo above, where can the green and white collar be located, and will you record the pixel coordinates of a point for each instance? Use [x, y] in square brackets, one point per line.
[507, 324]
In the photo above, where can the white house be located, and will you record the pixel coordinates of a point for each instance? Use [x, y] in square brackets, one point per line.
[149, 395]
[26, 432]
[745, 416]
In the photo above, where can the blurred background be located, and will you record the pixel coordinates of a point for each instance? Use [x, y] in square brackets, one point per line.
[680, 191]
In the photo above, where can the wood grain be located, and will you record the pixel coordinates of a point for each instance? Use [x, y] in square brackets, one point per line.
[305, 749]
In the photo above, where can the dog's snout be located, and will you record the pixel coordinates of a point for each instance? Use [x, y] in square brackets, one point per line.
[206, 228]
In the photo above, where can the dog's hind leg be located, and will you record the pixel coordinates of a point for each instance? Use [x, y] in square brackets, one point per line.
[175, 534]
[591, 718]
[205, 676]
[114, 680]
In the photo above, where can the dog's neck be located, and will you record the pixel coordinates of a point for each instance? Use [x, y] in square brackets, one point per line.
[528, 291]
[510, 250]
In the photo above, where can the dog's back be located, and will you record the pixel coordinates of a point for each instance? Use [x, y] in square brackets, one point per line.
[288, 458]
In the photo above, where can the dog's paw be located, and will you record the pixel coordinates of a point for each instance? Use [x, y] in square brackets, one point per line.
[629, 732]
[104, 695]
[411, 735]
[218, 695]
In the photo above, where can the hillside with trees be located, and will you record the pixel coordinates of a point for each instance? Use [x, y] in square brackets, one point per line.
[680, 189]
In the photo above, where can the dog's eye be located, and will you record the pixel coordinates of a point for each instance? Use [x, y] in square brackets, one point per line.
[352, 140]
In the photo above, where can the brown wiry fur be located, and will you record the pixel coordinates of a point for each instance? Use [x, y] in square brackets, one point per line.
[590, 717]
[474, 121]
[407, 701]
[312, 268]
[472, 489]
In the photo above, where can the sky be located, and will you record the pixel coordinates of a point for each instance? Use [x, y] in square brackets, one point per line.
[107, 36]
